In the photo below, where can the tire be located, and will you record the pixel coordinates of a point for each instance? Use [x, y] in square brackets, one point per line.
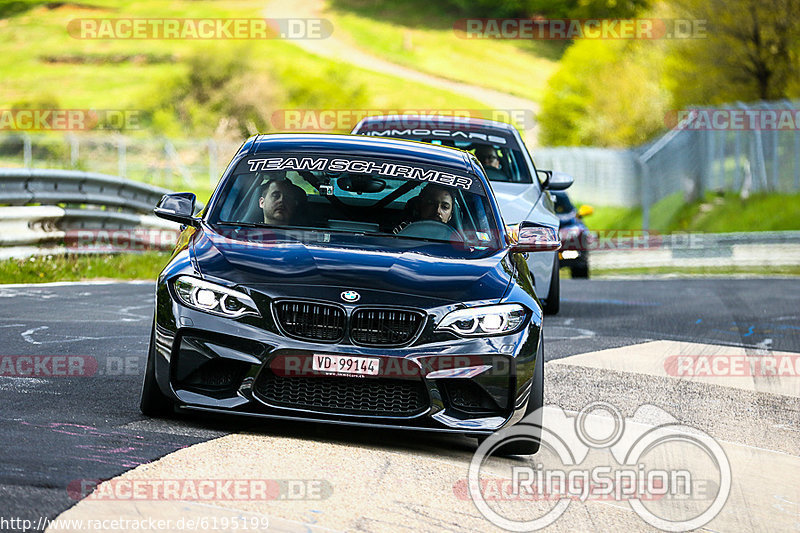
[580, 271]
[553, 302]
[535, 404]
[153, 402]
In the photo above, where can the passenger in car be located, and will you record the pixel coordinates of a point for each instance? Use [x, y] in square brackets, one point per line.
[279, 201]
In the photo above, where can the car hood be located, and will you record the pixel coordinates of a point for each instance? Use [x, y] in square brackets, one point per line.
[425, 272]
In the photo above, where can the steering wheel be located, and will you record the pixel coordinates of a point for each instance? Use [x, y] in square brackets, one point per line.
[431, 229]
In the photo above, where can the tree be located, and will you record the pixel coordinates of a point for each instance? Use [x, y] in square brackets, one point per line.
[605, 93]
[750, 51]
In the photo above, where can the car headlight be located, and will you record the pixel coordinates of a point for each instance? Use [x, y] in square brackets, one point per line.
[484, 321]
[212, 298]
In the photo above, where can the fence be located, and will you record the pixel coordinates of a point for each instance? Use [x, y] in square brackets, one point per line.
[693, 157]
[175, 164]
[689, 159]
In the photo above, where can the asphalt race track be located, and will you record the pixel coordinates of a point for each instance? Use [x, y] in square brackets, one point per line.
[60, 431]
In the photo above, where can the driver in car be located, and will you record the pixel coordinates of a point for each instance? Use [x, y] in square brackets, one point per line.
[433, 203]
[488, 157]
[436, 203]
[279, 201]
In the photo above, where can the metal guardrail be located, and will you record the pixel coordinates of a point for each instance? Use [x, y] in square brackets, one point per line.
[76, 207]
[761, 248]
[19, 186]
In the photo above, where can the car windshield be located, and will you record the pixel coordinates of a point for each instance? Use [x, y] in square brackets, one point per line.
[363, 196]
[501, 162]
[499, 154]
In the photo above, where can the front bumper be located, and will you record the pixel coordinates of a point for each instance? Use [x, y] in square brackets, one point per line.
[457, 385]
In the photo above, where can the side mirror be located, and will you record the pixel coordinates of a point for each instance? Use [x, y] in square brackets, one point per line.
[555, 181]
[585, 211]
[532, 237]
[178, 207]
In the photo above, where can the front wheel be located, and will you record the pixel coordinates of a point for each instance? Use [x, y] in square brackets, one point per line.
[532, 418]
[153, 402]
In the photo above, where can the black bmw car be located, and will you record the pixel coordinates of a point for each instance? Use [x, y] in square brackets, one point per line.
[349, 280]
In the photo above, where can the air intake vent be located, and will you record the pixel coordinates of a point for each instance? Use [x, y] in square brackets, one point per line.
[384, 327]
[362, 396]
[311, 321]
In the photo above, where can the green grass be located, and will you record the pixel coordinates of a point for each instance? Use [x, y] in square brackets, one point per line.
[45, 269]
[420, 35]
[713, 214]
[29, 37]
[280, 74]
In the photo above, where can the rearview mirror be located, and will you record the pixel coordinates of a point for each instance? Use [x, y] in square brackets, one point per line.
[360, 183]
[178, 207]
[532, 237]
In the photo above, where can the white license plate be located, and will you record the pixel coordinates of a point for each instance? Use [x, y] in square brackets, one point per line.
[345, 364]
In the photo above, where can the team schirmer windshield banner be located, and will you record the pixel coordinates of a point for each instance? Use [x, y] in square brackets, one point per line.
[381, 167]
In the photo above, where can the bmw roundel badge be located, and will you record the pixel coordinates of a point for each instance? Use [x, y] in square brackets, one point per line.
[350, 296]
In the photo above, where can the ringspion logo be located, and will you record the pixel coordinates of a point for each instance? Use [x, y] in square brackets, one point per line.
[673, 476]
